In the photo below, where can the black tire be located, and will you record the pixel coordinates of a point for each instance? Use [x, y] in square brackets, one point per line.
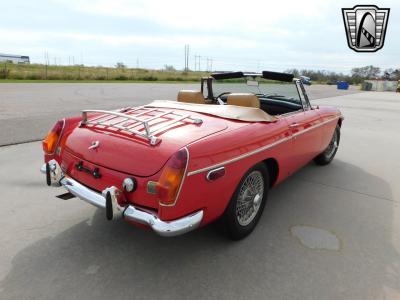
[329, 153]
[229, 222]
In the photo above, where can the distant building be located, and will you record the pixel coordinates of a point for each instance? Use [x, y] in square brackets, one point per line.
[16, 59]
[380, 85]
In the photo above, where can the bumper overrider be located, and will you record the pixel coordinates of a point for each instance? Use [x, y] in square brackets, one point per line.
[108, 200]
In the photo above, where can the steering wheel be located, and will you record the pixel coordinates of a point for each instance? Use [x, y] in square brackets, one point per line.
[219, 100]
[224, 93]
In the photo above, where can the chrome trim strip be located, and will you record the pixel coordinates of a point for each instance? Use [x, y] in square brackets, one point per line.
[316, 126]
[297, 84]
[212, 171]
[232, 160]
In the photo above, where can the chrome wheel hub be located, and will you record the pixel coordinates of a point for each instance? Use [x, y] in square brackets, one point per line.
[250, 198]
[256, 200]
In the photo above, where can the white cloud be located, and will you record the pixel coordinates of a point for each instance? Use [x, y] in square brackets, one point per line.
[194, 14]
[14, 37]
[236, 34]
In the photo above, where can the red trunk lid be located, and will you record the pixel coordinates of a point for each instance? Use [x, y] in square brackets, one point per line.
[129, 154]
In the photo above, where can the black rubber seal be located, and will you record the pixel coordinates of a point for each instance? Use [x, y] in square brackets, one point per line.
[48, 178]
[227, 75]
[277, 76]
[109, 210]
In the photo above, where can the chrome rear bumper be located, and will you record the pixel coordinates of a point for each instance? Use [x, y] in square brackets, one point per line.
[108, 200]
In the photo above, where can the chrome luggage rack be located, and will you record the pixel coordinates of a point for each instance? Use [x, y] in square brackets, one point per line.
[121, 120]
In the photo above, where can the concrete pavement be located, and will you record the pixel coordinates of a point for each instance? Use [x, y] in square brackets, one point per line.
[55, 249]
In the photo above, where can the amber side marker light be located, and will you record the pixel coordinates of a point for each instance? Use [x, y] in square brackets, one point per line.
[51, 140]
[170, 181]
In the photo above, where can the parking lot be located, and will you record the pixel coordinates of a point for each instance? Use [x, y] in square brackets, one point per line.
[328, 232]
[28, 110]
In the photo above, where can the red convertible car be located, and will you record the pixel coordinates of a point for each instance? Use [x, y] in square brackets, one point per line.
[213, 154]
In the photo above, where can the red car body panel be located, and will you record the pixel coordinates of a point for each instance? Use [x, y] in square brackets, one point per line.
[290, 142]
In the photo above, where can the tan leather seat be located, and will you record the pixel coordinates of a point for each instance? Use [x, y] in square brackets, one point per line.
[190, 96]
[242, 99]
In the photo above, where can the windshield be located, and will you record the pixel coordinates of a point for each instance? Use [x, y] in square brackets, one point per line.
[269, 89]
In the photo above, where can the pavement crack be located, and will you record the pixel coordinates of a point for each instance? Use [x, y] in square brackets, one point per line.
[349, 190]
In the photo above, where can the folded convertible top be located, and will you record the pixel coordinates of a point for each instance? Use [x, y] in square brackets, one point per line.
[265, 74]
[277, 76]
[248, 114]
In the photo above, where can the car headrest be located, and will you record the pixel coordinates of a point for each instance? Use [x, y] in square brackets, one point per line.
[242, 99]
[190, 96]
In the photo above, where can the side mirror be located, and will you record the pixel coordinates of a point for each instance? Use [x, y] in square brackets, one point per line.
[252, 83]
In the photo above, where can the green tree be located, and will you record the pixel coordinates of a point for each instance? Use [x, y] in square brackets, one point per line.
[367, 72]
[169, 68]
[120, 65]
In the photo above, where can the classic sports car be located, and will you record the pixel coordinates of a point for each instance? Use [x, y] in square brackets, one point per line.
[213, 154]
[305, 80]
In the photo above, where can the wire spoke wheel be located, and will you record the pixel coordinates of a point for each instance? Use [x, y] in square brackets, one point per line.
[247, 203]
[250, 198]
[332, 145]
[329, 153]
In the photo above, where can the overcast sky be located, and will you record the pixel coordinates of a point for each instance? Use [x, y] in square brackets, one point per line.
[237, 35]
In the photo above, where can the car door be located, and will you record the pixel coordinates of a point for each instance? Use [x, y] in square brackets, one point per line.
[305, 130]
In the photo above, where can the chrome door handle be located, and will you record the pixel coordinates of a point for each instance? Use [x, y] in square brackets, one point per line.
[295, 125]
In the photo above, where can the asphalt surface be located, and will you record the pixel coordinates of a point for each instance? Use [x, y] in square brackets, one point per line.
[328, 232]
[29, 110]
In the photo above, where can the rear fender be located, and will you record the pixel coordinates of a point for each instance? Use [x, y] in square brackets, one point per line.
[237, 151]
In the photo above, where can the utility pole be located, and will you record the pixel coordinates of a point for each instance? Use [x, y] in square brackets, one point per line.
[137, 63]
[199, 62]
[186, 58]
[46, 61]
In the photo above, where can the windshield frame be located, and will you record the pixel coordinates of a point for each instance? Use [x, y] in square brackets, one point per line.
[212, 95]
[207, 83]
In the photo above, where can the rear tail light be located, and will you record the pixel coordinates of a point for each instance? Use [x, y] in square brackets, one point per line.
[51, 140]
[171, 178]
